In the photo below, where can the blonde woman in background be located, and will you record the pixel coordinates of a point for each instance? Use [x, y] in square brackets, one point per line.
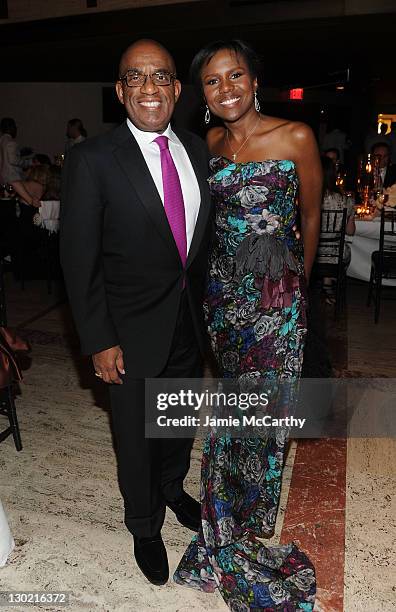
[35, 185]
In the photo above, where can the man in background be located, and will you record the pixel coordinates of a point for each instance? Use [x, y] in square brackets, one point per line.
[387, 170]
[75, 132]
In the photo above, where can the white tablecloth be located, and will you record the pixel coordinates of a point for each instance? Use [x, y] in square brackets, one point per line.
[6, 540]
[363, 243]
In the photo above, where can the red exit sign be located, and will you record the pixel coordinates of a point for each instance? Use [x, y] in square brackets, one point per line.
[296, 94]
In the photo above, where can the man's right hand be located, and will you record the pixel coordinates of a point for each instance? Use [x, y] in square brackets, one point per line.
[109, 364]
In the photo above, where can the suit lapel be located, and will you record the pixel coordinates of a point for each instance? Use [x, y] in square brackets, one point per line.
[204, 210]
[132, 162]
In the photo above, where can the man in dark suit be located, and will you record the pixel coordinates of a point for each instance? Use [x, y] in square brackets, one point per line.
[381, 151]
[135, 231]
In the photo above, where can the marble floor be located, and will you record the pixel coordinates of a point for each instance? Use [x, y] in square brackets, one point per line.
[65, 511]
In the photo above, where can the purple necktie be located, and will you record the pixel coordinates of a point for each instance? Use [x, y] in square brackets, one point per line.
[173, 198]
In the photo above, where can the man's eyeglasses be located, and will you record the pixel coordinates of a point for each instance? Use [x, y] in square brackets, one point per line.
[133, 78]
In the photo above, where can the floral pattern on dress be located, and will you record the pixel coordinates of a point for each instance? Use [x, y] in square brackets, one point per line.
[255, 313]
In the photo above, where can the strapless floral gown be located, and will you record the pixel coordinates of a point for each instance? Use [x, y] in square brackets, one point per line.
[255, 312]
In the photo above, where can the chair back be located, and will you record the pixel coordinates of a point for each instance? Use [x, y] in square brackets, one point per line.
[3, 309]
[387, 250]
[332, 237]
[388, 226]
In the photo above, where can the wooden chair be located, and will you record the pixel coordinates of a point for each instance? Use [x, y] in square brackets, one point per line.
[8, 409]
[383, 261]
[330, 255]
[9, 373]
[3, 310]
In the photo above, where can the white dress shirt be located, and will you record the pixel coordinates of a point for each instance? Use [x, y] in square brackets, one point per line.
[73, 141]
[382, 174]
[188, 180]
[10, 161]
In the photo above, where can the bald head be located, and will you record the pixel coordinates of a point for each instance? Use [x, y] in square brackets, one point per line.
[150, 102]
[142, 49]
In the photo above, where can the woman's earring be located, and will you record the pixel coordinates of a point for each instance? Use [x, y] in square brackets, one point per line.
[207, 115]
[256, 102]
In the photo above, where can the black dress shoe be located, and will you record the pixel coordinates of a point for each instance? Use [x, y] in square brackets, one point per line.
[151, 557]
[187, 510]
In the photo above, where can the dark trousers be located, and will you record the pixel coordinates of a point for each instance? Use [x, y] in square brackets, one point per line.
[151, 471]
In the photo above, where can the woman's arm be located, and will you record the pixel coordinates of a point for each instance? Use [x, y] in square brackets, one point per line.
[350, 226]
[32, 199]
[309, 170]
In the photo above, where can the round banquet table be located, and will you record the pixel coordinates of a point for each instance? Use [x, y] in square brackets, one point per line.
[363, 243]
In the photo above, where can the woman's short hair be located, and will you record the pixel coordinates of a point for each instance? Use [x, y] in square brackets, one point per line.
[239, 47]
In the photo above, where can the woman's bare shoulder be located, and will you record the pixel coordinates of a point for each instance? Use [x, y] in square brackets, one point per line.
[269, 124]
[296, 129]
[301, 132]
[299, 138]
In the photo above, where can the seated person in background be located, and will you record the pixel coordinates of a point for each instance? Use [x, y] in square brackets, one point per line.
[334, 199]
[381, 151]
[48, 219]
[35, 184]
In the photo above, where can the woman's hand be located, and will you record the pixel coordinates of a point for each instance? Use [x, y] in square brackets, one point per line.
[35, 202]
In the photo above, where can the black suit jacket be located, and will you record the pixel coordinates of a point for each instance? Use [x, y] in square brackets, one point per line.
[390, 175]
[121, 265]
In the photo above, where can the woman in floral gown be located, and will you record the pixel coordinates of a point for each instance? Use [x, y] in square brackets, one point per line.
[255, 312]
